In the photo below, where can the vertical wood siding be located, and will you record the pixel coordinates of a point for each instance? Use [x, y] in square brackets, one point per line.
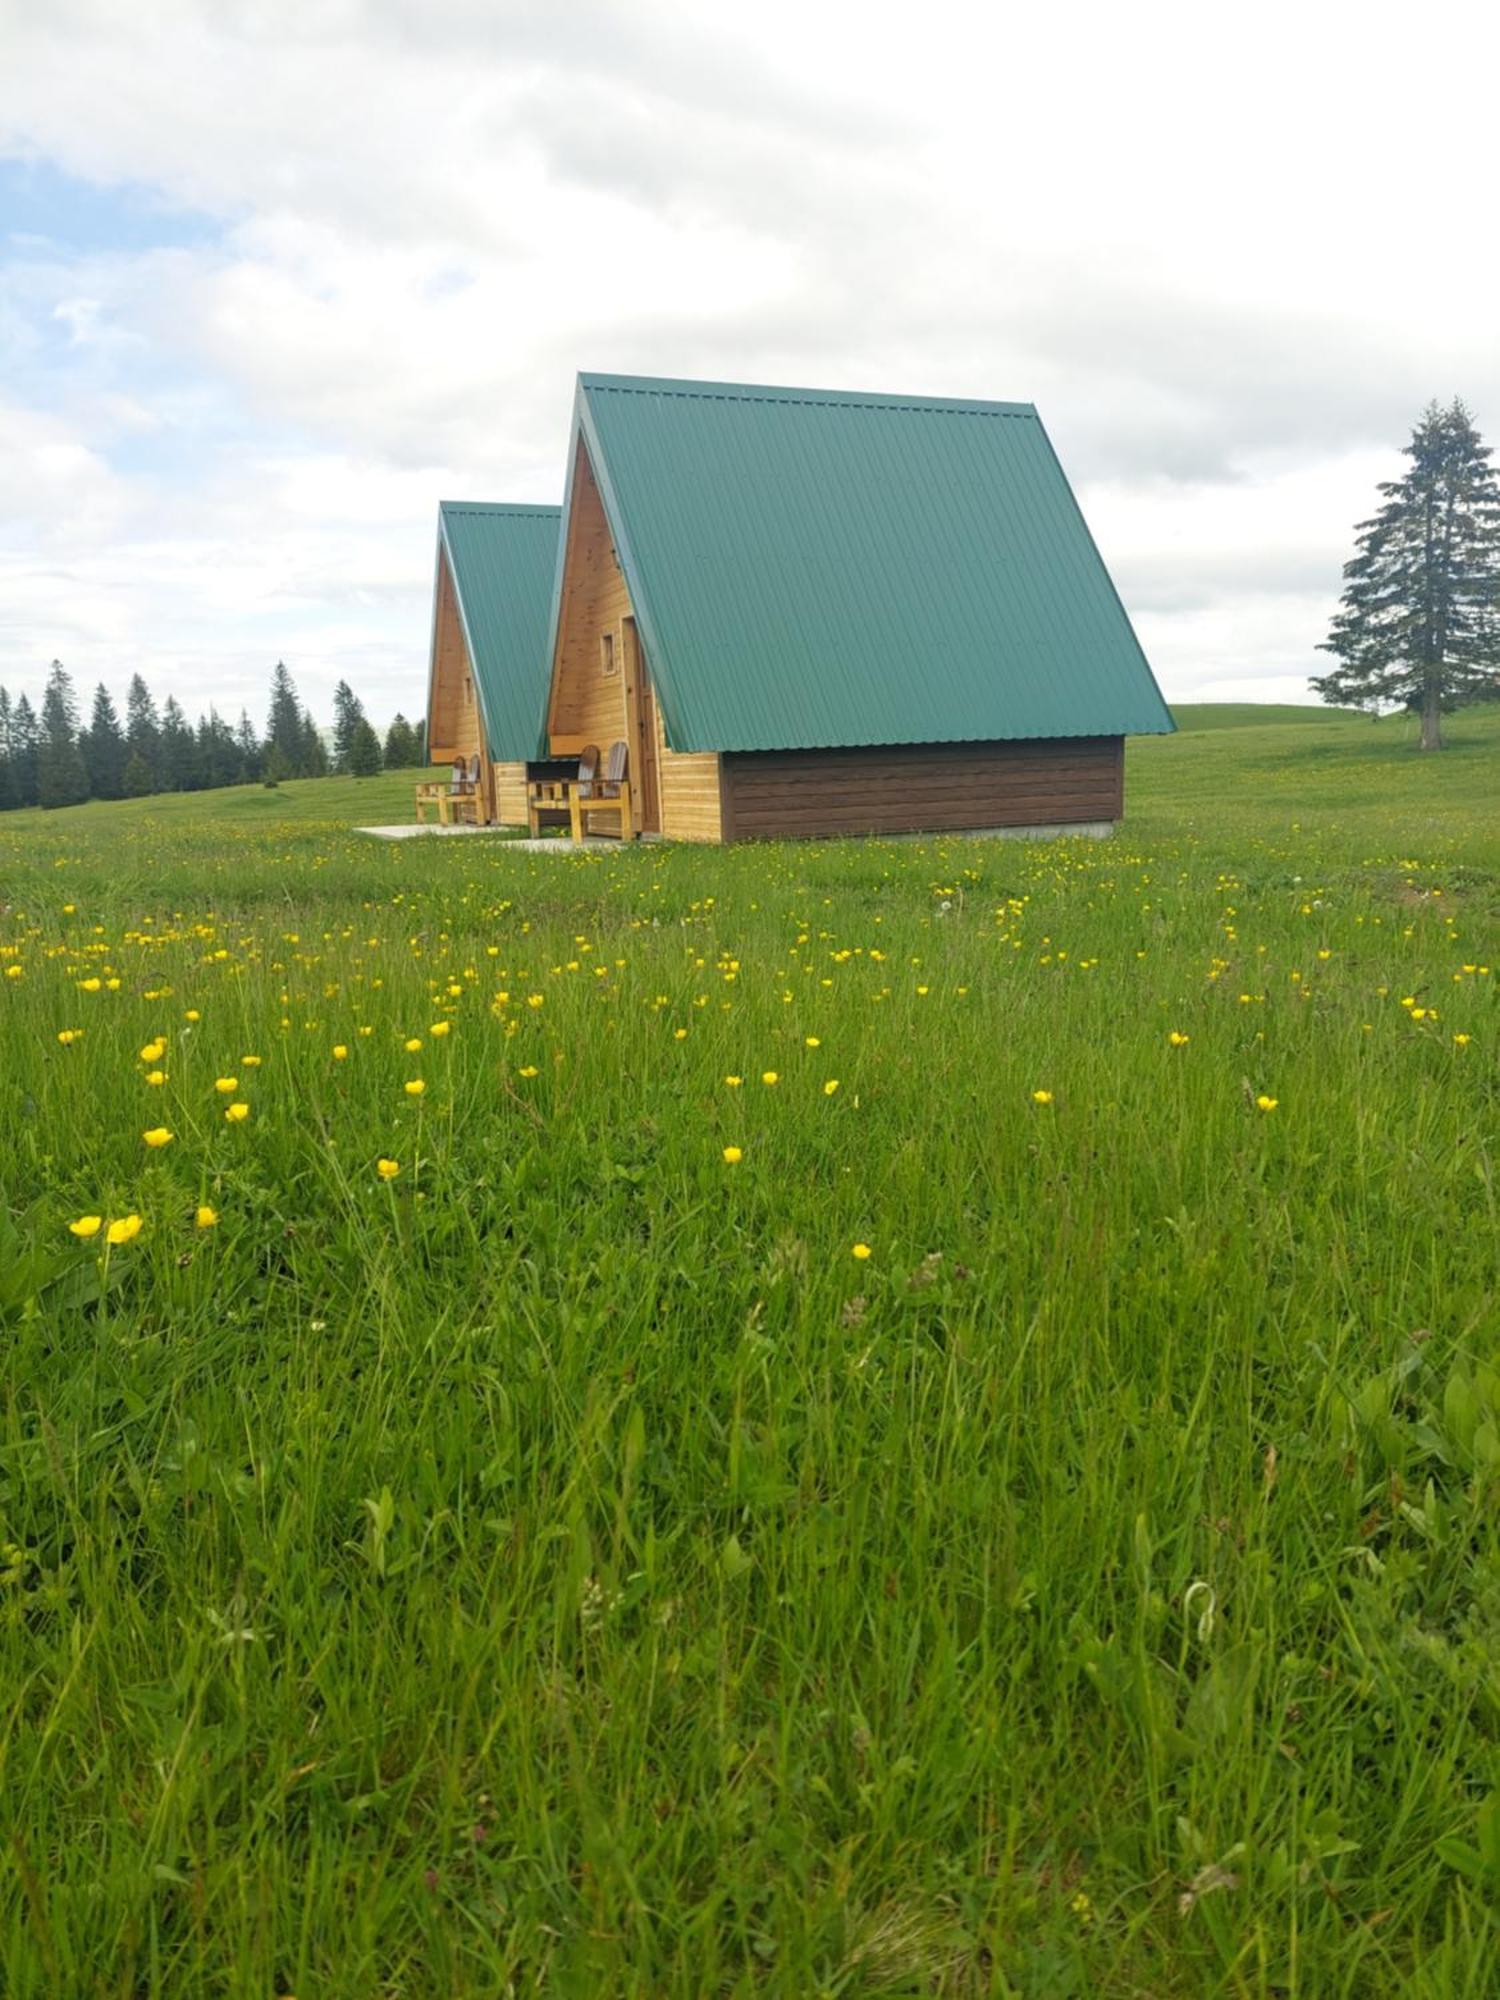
[922, 788]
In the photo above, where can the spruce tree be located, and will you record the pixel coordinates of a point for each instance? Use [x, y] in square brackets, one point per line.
[104, 752]
[312, 761]
[23, 750]
[284, 723]
[348, 713]
[219, 759]
[249, 749]
[400, 744]
[179, 750]
[8, 799]
[1419, 621]
[364, 750]
[61, 778]
[419, 738]
[143, 733]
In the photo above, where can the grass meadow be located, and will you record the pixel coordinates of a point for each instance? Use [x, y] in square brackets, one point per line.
[902, 1418]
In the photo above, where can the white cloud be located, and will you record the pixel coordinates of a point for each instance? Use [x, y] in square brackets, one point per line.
[1187, 235]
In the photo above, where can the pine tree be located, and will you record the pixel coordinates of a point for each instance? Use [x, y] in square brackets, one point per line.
[8, 798]
[348, 713]
[179, 750]
[139, 781]
[143, 732]
[364, 750]
[23, 750]
[103, 745]
[400, 744]
[61, 778]
[284, 722]
[419, 737]
[1419, 621]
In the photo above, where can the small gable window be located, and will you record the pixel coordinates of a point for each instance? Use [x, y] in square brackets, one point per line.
[607, 662]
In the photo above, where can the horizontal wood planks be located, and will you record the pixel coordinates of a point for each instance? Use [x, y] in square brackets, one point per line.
[510, 794]
[453, 714]
[588, 705]
[689, 790]
[922, 788]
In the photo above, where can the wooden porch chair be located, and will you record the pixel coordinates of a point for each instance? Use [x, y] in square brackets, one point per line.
[459, 805]
[551, 799]
[609, 795]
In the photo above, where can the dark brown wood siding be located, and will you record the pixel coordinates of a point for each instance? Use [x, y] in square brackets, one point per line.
[922, 787]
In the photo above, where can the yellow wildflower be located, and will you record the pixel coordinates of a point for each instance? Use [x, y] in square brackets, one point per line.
[770, 1077]
[125, 1230]
[156, 1078]
[861, 1251]
[440, 1028]
[831, 1086]
[812, 1042]
[192, 1014]
[387, 1169]
[1178, 1040]
[1264, 1103]
[1041, 1097]
[734, 1082]
[66, 1035]
[732, 1156]
[158, 1136]
[415, 1087]
[86, 1225]
[205, 1217]
[413, 1045]
[153, 1051]
[1463, 1040]
[226, 1085]
[236, 1113]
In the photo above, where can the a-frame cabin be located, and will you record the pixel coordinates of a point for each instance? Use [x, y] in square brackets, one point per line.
[488, 672]
[815, 612]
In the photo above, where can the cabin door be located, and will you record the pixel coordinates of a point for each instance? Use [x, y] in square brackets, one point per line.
[645, 772]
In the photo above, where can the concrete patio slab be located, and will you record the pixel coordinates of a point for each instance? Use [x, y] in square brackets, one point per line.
[411, 831]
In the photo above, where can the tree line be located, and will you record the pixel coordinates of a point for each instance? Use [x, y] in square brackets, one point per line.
[52, 759]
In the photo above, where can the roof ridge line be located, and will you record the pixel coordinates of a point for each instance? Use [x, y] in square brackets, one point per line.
[829, 399]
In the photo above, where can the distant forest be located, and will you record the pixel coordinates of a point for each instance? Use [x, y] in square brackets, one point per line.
[52, 759]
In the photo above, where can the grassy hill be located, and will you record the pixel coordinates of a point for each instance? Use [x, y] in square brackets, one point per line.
[870, 1418]
[1252, 714]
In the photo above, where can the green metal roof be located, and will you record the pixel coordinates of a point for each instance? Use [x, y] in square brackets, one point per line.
[502, 559]
[815, 567]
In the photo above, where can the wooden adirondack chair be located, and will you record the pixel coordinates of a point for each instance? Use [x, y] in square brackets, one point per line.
[459, 806]
[552, 798]
[609, 795]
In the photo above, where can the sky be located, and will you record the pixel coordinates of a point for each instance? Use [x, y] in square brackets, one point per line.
[276, 278]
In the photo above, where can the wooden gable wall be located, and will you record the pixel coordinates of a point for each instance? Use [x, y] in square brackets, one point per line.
[455, 727]
[453, 712]
[588, 704]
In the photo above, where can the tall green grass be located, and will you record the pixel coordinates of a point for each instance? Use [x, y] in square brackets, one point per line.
[567, 1567]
